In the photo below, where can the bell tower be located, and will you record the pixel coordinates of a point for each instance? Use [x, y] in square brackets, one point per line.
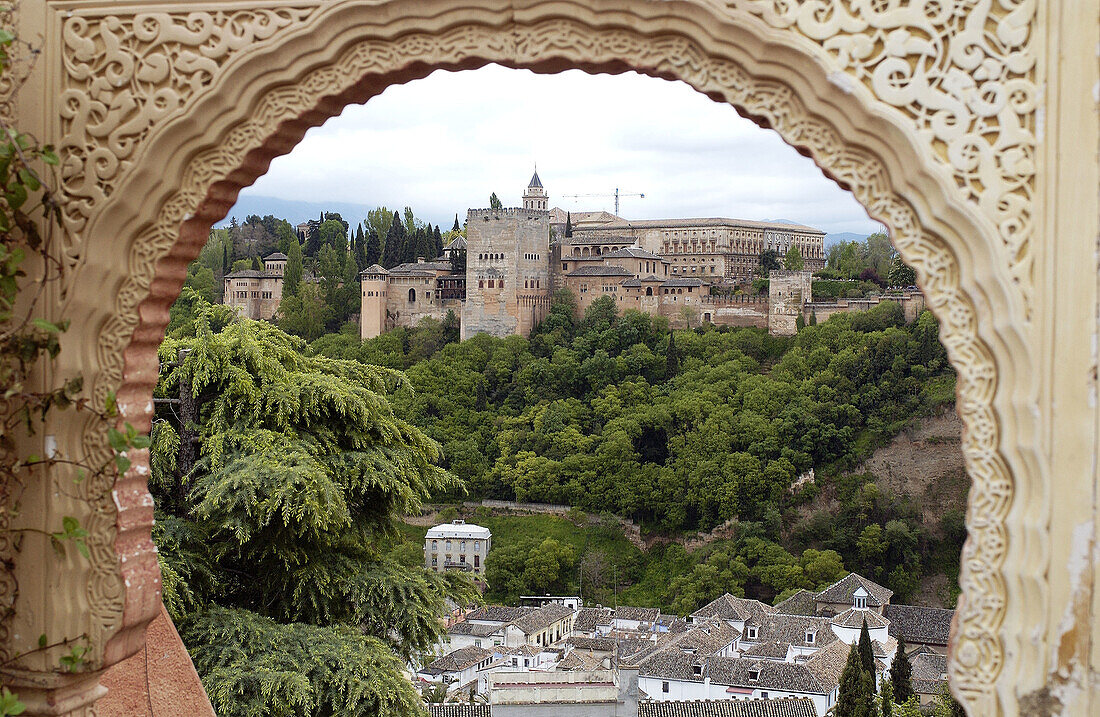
[535, 196]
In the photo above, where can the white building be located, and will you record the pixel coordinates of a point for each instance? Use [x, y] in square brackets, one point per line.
[457, 546]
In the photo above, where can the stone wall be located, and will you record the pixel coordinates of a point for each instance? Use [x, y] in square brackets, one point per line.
[787, 292]
[508, 282]
[912, 304]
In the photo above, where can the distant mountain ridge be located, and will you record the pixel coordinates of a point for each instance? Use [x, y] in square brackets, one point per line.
[293, 210]
[838, 237]
[298, 211]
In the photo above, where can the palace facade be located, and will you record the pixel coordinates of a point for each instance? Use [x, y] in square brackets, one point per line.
[517, 257]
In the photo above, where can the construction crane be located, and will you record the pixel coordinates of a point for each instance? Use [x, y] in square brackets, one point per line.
[617, 194]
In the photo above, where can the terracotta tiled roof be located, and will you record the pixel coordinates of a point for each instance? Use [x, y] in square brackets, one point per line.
[769, 675]
[589, 617]
[854, 617]
[252, 274]
[421, 268]
[927, 625]
[827, 663]
[670, 664]
[682, 281]
[729, 607]
[841, 591]
[578, 662]
[788, 707]
[703, 639]
[474, 629]
[541, 618]
[458, 660]
[600, 270]
[601, 644]
[499, 613]
[773, 649]
[634, 252]
[928, 671]
[642, 614]
[793, 628]
[801, 603]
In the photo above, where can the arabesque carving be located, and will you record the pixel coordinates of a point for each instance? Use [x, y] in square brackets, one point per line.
[967, 101]
[125, 73]
[962, 71]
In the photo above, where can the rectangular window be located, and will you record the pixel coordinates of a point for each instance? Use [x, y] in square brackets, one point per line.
[664, 686]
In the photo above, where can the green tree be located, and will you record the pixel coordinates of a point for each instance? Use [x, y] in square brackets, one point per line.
[901, 674]
[856, 697]
[373, 249]
[277, 562]
[866, 652]
[456, 227]
[901, 274]
[494, 202]
[672, 357]
[768, 262]
[437, 243]
[887, 699]
[568, 225]
[332, 233]
[379, 220]
[306, 313]
[793, 260]
[359, 249]
[396, 239]
[292, 277]
[946, 704]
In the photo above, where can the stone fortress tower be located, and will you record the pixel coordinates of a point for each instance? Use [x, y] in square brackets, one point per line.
[508, 282]
[373, 282]
[788, 294]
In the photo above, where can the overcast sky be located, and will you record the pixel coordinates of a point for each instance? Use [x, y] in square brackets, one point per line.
[444, 143]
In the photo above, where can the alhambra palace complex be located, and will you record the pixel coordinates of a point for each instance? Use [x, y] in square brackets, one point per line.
[970, 129]
[517, 257]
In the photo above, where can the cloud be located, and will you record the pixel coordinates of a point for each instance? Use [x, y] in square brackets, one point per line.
[444, 143]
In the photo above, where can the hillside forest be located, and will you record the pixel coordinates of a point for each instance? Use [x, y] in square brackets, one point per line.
[283, 501]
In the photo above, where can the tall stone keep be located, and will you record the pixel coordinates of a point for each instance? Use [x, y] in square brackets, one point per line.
[507, 269]
[788, 293]
[535, 197]
[373, 282]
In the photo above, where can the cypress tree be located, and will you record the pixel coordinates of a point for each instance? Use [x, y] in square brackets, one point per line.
[672, 357]
[456, 228]
[866, 653]
[293, 276]
[438, 237]
[256, 264]
[568, 225]
[396, 239]
[227, 255]
[373, 249]
[901, 674]
[360, 249]
[856, 698]
[887, 699]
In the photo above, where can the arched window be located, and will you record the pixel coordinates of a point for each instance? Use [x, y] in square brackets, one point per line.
[412, 296]
[649, 291]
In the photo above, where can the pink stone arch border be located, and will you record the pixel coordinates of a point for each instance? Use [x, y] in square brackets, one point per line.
[188, 173]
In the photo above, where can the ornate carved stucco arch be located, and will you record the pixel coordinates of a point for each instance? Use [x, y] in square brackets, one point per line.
[926, 112]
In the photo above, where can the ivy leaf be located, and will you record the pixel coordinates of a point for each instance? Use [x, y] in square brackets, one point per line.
[117, 440]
